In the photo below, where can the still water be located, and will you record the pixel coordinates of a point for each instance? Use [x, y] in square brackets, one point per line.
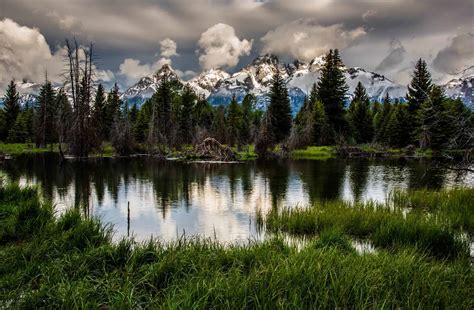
[171, 199]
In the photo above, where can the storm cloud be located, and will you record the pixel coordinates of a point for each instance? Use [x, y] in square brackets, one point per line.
[124, 30]
[394, 58]
[458, 55]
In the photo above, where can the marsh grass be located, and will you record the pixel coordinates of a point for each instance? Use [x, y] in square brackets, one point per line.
[406, 221]
[314, 152]
[70, 262]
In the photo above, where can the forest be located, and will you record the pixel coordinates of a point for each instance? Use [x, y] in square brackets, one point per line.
[84, 118]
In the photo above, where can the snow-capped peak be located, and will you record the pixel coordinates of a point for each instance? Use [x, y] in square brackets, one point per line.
[205, 82]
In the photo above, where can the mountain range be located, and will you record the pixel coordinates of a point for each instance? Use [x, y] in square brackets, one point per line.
[218, 86]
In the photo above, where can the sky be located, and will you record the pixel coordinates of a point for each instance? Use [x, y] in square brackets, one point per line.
[135, 38]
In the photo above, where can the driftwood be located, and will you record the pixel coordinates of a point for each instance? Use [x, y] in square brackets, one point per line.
[211, 149]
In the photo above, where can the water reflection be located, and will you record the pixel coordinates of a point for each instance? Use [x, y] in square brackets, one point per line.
[169, 199]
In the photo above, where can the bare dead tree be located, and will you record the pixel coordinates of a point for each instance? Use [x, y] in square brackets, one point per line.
[81, 81]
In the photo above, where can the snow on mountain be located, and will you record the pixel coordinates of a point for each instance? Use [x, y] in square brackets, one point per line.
[299, 77]
[219, 86]
[461, 87]
[148, 85]
[204, 83]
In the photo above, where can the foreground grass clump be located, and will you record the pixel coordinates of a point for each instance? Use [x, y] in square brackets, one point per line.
[455, 205]
[70, 262]
[388, 226]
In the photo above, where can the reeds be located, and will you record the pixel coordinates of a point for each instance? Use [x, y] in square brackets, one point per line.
[70, 262]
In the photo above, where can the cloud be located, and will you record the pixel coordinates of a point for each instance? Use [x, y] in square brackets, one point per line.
[24, 54]
[67, 23]
[220, 47]
[168, 48]
[458, 55]
[133, 69]
[368, 15]
[394, 58]
[305, 39]
[186, 75]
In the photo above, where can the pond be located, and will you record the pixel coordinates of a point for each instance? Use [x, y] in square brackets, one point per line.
[172, 199]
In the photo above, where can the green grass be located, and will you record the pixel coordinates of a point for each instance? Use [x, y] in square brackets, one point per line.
[22, 148]
[69, 261]
[431, 221]
[314, 152]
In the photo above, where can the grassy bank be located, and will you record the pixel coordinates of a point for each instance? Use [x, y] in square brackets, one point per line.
[70, 261]
[24, 148]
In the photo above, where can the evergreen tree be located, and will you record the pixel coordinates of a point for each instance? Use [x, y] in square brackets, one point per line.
[435, 125]
[381, 121]
[112, 108]
[46, 116]
[219, 124]
[99, 114]
[11, 105]
[302, 130]
[420, 87]
[248, 117]
[418, 92]
[398, 121]
[313, 95]
[185, 116]
[332, 91]
[164, 110]
[141, 125]
[19, 131]
[360, 115]
[321, 127]
[121, 135]
[203, 114]
[3, 126]
[265, 138]
[234, 122]
[279, 109]
[133, 115]
[65, 115]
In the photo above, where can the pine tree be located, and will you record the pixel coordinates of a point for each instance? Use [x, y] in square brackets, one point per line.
[234, 122]
[46, 116]
[142, 123]
[398, 121]
[435, 126]
[265, 139]
[219, 124]
[65, 115]
[185, 116]
[248, 117]
[302, 130]
[420, 87]
[11, 105]
[381, 121]
[121, 135]
[99, 114]
[112, 108]
[313, 95]
[321, 128]
[360, 115]
[332, 90]
[418, 92]
[164, 110]
[279, 109]
[19, 131]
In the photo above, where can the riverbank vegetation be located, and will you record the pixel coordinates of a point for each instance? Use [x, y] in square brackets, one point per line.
[88, 120]
[69, 260]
